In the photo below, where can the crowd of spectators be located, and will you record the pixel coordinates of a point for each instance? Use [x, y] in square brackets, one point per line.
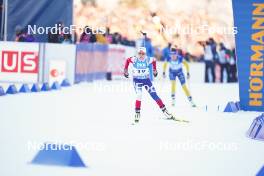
[128, 18]
[217, 55]
[87, 36]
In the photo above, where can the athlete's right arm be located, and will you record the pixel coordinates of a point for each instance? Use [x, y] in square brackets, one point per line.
[128, 61]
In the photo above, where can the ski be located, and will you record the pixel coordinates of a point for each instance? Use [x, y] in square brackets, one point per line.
[181, 120]
[178, 120]
[134, 123]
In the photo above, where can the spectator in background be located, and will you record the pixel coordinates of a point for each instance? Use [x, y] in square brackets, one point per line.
[116, 38]
[166, 52]
[57, 36]
[67, 39]
[232, 66]
[125, 41]
[87, 36]
[180, 52]
[100, 38]
[223, 62]
[74, 37]
[23, 36]
[187, 57]
[209, 61]
[213, 47]
[108, 35]
[149, 47]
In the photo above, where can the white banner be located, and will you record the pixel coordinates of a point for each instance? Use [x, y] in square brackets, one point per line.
[19, 62]
[57, 71]
[61, 56]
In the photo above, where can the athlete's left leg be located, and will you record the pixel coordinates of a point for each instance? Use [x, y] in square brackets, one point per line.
[172, 77]
[138, 89]
[151, 90]
[181, 78]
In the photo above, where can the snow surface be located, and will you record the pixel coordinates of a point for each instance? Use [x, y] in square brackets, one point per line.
[99, 114]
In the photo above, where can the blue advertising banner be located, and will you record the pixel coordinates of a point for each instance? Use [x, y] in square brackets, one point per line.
[40, 14]
[1, 19]
[91, 62]
[249, 20]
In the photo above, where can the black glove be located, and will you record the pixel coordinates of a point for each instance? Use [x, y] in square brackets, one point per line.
[188, 75]
[155, 73]
[126, 73]
[164, 75]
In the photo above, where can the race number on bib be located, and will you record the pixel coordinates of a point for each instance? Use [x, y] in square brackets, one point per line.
[140, 72]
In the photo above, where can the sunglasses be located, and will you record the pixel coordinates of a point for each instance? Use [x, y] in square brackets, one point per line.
[141, 53]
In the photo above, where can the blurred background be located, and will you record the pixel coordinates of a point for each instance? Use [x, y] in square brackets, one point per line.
[202, 31]
[128, 17]
[165, 22]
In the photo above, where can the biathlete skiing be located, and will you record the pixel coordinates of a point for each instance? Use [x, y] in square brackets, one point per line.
[176, 62]
[141, 78]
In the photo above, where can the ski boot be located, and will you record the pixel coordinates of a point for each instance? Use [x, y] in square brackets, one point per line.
[172, 100]
[191, 102]
[168, 115]
[137, 116]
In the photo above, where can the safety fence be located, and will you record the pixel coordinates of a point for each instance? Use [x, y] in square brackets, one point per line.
[46, 63]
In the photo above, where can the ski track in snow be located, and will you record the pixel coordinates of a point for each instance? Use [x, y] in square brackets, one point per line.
[85, 113]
